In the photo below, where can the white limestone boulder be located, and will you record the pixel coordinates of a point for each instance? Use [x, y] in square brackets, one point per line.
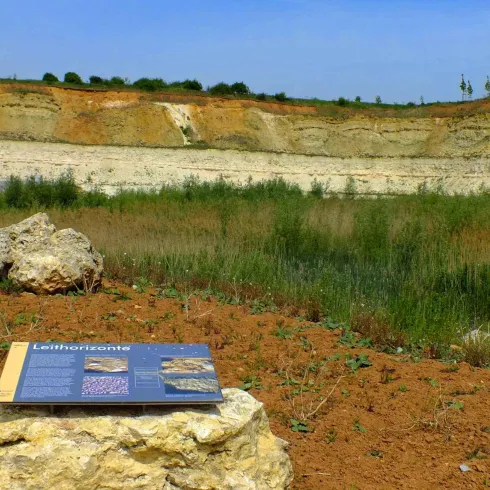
[224, 447]
[42, 260]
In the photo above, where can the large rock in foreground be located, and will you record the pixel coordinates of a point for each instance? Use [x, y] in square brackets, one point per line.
[42, 260]
[227, 447]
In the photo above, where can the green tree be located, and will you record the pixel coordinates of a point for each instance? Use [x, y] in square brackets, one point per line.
[487, 87]
[192, 85]
[378, 99]
[358, 98]
[50, 78]
[72, 77]
[240, 88]
[150, 84]
[281, 97]
[221, 88]
[462, 87]
[117, 81]
[469, 90]
[95, 80]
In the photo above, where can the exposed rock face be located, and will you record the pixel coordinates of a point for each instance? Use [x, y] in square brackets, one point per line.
[110, 168]
[42, 260]
[53, 114]
[228, 447]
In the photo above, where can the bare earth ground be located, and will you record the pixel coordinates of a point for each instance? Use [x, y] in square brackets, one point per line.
[394, 424]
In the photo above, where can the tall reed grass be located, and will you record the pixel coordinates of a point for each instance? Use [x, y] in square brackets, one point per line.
[420, 262]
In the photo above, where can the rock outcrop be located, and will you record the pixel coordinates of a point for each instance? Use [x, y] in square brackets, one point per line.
[40, 259]
[54, 114]
[228, 447]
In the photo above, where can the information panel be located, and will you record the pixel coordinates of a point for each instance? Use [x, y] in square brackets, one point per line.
[108, 374]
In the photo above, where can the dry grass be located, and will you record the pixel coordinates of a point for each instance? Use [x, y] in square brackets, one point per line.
[476, 351]
[379, 330]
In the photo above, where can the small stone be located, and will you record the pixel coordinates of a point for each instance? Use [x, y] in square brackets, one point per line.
[464, 468]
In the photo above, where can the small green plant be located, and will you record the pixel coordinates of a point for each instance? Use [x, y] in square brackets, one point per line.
[121, 297]
[283, 333]
[5, 346]
[374, 453]
[331, 436]
[299, 426]
[357, 427]
[8, 286]
[186, 131]
[477, 453]
[250, 382]
[454, 404]
[110, 317]
[403, 388]
[360, 361]
[20, 319]
[433, 382]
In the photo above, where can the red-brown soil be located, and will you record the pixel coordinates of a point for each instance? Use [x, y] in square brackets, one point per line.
[416, 422]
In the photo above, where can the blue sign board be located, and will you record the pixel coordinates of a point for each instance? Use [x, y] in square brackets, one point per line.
[100, 374]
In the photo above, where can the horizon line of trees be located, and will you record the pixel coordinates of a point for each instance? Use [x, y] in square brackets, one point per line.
[221, 88]
[467, 89]
[155, 84]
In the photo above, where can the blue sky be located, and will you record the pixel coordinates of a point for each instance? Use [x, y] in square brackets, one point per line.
[399, 49]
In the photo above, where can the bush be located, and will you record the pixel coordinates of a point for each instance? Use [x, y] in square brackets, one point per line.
[14, 193]
[72, 77]
[95, 80]
[150, 84]
[192, 85]
[261, 96]
[221, 89]
[36, 191]
[281, 97]
[117, 81]
[240, 88]
[358, 99]
[378, 99]
[411, 104]
[50, 78]
[342, 102]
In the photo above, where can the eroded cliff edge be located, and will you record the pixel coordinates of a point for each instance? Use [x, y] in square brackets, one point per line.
[53, 114]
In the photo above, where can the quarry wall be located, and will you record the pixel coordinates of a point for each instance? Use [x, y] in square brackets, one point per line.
[111, 167]
[126, 138]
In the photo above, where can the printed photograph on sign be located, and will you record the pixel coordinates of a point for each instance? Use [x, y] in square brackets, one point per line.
[106, 365]
[187, 365]
[190, 385]
[105, 385]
